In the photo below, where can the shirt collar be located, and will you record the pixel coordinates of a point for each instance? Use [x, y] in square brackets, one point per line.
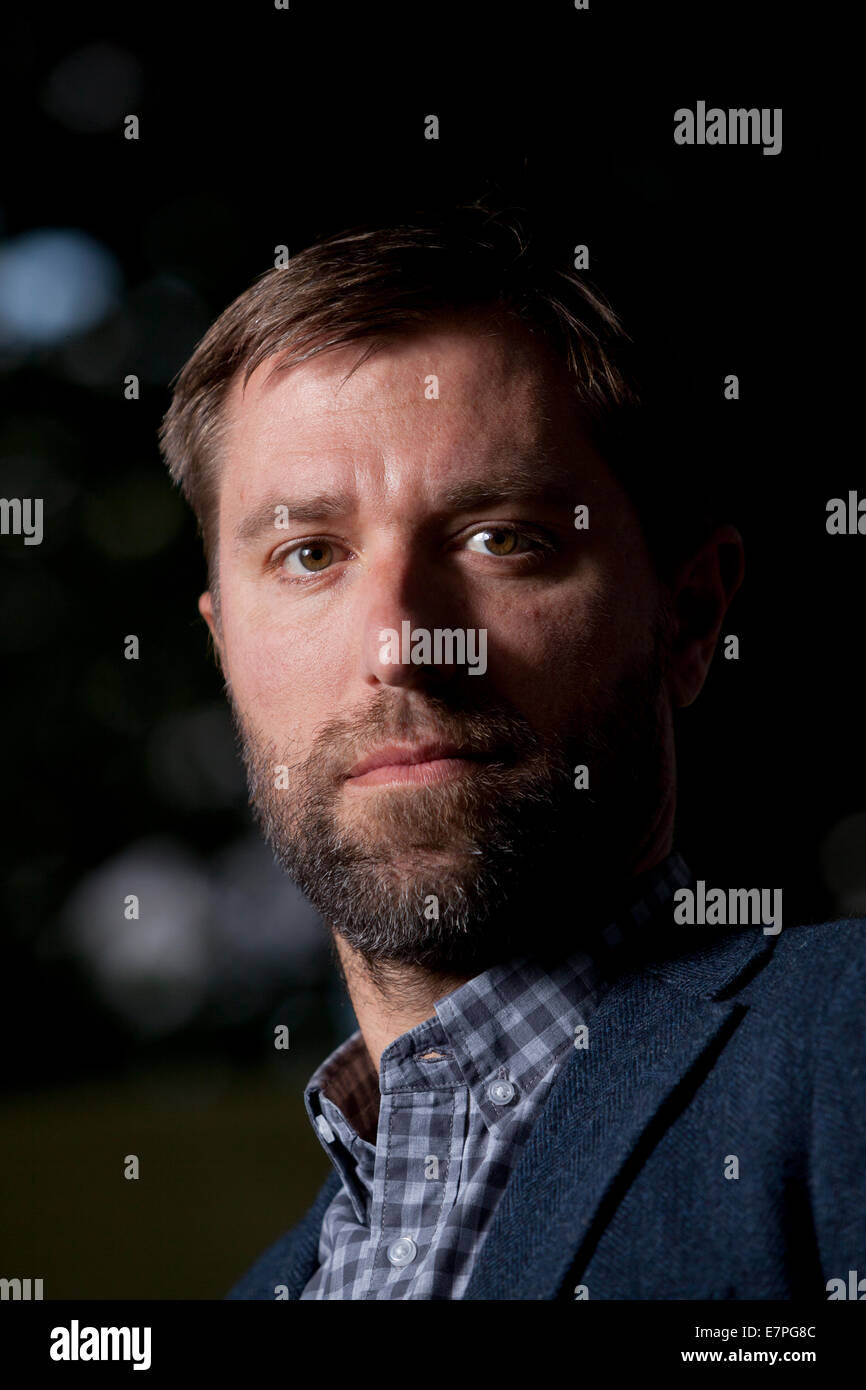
[512, 1021]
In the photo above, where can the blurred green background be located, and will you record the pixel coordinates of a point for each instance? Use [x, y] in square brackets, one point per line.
[227, 1161]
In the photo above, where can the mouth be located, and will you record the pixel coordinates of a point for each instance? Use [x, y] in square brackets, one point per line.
[424, 764]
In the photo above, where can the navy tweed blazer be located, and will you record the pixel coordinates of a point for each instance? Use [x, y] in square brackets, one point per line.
[710, 1143]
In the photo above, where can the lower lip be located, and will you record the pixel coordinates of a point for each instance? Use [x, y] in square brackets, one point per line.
[417, 774]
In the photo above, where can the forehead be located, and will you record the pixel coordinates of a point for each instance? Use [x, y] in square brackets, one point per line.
[482, 365]
[443, 401]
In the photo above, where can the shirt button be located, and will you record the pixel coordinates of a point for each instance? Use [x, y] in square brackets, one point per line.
[403, 1251]
[500, 1092]
[325, 1129]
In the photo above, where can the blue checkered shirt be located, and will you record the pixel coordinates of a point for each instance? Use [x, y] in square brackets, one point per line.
[450, 1111]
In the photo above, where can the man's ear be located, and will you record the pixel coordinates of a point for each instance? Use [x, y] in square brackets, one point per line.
[701, 593]
[206, 608]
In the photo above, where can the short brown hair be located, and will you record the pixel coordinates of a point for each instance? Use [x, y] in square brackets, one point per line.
[377, 281]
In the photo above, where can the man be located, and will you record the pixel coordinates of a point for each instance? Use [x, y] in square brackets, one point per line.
[457, 596]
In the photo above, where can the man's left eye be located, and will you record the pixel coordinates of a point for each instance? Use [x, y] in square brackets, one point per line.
[496, 540]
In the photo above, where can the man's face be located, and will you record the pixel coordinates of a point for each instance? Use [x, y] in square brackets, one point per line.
[353, 504]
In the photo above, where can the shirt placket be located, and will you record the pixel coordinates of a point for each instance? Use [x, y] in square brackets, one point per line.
[423, 1127]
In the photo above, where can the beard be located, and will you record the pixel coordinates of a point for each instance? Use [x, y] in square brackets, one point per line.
[457, 876]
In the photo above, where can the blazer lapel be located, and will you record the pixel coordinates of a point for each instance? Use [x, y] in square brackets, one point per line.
[654, 1031]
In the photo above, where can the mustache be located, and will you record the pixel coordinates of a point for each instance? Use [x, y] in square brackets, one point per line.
[497, 734]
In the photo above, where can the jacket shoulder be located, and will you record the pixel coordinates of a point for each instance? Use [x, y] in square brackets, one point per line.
[810, 995]
[844, 936]
[820, 958]
[829, 959]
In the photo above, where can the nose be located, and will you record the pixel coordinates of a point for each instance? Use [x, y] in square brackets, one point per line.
[404, 603]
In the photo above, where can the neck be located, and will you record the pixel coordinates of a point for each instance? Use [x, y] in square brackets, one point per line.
[390, 999]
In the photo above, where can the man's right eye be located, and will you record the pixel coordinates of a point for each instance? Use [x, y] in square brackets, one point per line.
[306, 558]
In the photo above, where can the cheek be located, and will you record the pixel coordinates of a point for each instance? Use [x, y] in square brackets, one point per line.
[258, 669]
[258, 655]
[569, 626]
[283, 679]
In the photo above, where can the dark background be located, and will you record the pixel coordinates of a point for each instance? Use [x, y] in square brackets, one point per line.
[259, 128]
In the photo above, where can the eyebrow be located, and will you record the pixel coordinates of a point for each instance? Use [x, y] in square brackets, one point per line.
[321, 507]
[516, 483]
